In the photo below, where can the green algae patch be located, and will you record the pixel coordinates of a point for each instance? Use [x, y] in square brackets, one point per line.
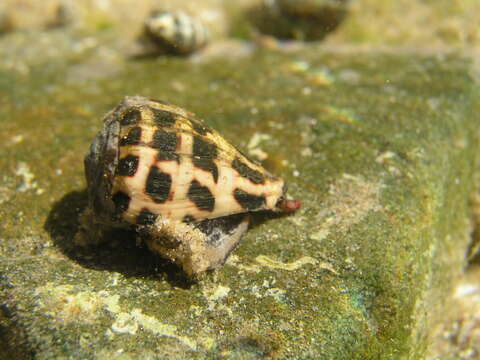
[379, 148]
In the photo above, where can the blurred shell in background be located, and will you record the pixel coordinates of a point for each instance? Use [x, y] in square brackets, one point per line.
[175, 33]
[309, 7]
[306, 20]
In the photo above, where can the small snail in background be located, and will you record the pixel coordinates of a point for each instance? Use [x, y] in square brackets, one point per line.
[175, 33]
[188, 193]
[304, 20]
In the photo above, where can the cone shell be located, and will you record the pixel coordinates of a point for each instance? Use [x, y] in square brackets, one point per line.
[155, 159]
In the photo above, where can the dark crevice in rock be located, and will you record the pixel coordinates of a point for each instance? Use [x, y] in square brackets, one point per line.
[13, 343]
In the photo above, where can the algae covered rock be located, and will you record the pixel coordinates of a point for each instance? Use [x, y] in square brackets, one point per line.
[379, 147]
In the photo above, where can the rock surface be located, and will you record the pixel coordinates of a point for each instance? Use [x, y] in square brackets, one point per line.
[381, 147]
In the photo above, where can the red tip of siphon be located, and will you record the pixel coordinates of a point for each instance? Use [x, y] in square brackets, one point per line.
[290, 206]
